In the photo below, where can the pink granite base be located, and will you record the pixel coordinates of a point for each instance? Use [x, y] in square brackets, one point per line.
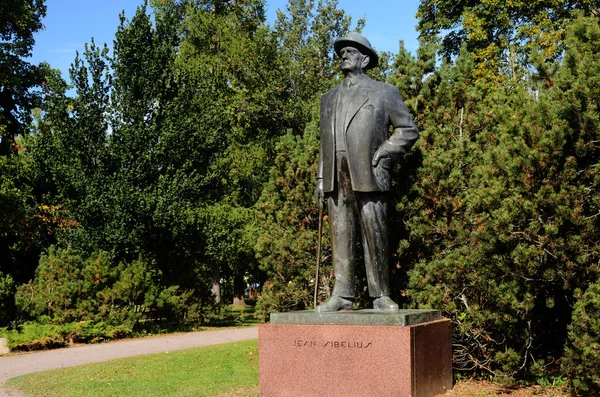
[352, 360]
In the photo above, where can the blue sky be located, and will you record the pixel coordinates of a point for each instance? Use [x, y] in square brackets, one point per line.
[69, 24]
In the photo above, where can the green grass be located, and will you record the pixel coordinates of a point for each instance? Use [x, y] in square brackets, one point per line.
[223, 370]
[236, 316]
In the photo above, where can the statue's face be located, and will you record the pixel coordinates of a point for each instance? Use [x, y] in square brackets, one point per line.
[353, 60]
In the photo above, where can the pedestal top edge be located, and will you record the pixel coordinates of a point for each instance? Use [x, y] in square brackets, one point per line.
[403, 317]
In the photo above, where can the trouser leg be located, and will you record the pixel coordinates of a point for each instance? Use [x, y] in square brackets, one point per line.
[342, 221]
[373, 208]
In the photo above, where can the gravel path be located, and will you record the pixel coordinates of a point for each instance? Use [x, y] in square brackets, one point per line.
[11, 366]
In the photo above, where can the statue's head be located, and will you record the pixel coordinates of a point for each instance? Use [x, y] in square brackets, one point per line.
[357, 41]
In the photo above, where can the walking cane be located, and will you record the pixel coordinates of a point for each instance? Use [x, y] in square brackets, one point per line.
[319, 250]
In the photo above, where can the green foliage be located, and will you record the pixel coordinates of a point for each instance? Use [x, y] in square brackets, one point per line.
[7, 292]
[227, 55]
[288, 219]
[583, 347]
[125, 192]
[502, 210]
[35, 336]
[23, 228]
[20, 228]
[19, 20]
[502, 35]
[410, 74]
[13, 207]
[68, 289]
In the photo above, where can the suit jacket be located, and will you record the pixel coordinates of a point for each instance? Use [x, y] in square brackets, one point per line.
[373, 108]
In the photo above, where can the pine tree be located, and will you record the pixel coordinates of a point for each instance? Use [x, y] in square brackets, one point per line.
[501, 213]
[287, 228]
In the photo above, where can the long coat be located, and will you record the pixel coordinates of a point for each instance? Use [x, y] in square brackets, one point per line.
[373, 108]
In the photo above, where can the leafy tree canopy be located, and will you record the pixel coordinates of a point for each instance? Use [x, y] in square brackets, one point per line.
[500, 33]
[19, 20]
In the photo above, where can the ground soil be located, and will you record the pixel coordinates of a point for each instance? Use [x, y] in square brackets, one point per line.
[474, 388]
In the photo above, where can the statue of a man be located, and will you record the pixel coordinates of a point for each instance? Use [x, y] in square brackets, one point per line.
[355, 162]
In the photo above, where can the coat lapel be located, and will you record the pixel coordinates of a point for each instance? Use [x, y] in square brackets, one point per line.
[357, 101]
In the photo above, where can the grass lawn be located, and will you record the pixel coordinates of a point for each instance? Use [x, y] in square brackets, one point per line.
[229, 370]
[222, 370]
[236, 316]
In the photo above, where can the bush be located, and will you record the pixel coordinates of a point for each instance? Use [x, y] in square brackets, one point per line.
[35, 336]
[582, 353]
[282, 298]
[7, 298]
[68, 289]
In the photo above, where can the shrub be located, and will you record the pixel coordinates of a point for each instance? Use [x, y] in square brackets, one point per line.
[7, 297]
[68, 289]
[582, 353]
[35, 336]
[281, 297]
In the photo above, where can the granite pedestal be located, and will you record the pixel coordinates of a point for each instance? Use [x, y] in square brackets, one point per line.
[355, 353]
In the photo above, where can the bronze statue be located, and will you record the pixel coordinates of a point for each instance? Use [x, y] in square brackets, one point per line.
[355, 162]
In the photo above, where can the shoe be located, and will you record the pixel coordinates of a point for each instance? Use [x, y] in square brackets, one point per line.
[385, 303]
[334, 304]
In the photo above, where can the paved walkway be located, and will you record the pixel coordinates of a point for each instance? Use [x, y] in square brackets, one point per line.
[11, 366]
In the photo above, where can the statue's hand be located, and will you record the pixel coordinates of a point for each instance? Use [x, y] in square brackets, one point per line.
[319, 193]
[381, 153]
[387, 150]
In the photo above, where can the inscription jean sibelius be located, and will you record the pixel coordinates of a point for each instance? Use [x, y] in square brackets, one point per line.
[332, 344]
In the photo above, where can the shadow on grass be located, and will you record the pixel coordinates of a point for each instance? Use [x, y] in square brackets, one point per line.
[225, 316]
[235, 316]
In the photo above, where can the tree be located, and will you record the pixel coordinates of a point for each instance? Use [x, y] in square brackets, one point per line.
[501, 215]
[412, 75]
[501, 34]
[247, 82]
[19, 20]
[226, 60]
[287, 227]
[581, 354]
[102, 160]
[67, 147]
[69, 289]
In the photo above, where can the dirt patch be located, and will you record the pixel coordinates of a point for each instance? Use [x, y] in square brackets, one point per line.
[486, 389]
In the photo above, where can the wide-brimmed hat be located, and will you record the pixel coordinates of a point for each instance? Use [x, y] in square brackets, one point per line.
[358, 41]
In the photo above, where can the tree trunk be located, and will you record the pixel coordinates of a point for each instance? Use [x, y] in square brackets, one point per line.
[239, 287]
[216, 282]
